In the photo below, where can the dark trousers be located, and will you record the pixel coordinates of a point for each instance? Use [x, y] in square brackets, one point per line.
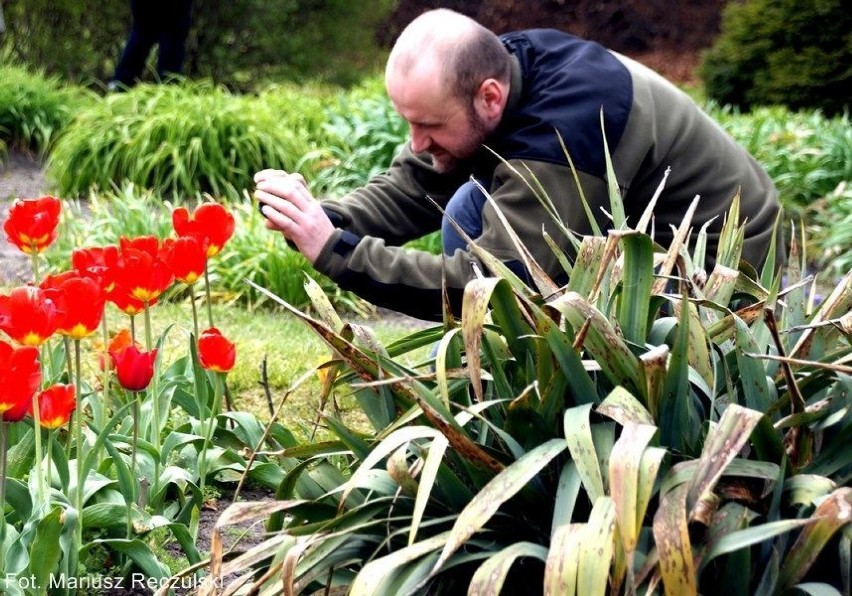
[464, 208]
[155, 22]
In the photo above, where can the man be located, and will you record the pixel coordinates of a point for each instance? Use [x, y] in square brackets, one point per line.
[470, 96]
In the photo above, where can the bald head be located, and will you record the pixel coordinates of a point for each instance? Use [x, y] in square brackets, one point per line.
[451, 49]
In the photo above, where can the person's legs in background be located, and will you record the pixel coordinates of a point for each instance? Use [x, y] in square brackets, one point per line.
[143, 36]
[174, 31]
[465, 208]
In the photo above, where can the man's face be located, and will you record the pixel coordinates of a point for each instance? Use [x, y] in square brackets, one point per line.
[440, 125]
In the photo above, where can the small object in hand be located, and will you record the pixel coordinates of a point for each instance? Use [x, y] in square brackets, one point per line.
[260, 206]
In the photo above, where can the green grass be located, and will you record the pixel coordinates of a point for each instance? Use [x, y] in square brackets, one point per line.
[290, 350]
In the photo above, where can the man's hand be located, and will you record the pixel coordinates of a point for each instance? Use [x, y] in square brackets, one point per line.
[290, 208]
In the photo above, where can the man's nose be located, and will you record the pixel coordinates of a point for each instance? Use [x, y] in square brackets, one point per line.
[419, 140]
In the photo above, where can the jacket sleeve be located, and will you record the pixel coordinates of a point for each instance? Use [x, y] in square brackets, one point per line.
[410, 281]
[396, 205]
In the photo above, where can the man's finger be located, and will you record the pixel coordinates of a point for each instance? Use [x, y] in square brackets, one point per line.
[278, 204]
[291, 188]
[268, 173]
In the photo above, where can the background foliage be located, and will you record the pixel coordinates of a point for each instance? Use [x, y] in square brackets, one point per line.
[235, 43]
[35, 107]
[790, 52]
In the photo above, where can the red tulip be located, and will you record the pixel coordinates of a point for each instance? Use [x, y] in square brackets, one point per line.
[30, 315]
[54, 281]
[187, 258]
[133, 367]
[140, 271]
[20, 376]
[127, 303]
[148, 244]
[121, 340]
[98, 263]
[215, 352]
[211, 224]
[31, 225]
[55, 405]
[81, 301]
[18, 412]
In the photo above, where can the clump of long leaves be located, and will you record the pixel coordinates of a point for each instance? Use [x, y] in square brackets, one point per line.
[177, 140]
[35, 107]
[622, 434]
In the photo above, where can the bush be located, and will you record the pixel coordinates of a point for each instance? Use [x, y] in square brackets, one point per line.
[835, 223]
[806, 154]
[35, 107]
[809, 157]
[790, 52]
[363, 134]
[178, 141]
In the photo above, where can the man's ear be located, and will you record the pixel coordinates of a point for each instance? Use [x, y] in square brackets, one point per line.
[490, 99]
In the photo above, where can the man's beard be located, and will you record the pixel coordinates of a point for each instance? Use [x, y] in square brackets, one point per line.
[447, 162]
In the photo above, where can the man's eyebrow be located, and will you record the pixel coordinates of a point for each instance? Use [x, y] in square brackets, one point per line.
[424, 123]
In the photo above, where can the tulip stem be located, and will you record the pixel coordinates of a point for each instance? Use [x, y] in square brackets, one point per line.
[38, 451]
[132, 329]
[69, 364]
[132, 498]
[35, 267]
[155, 405]
[194, 311]
[2, 492]
[102, 417]
[208, 430]
[207, 294]
[49, 459]
[149, 342]
[78, 438]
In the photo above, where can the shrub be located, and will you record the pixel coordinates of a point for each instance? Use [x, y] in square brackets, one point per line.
[809, 157]
[177, 140]
[794, 53]
[363, 134]
[806, 154]
[835, 221]
[34, 108]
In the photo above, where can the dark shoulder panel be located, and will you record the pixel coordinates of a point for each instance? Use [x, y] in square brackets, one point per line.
[566, 82]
